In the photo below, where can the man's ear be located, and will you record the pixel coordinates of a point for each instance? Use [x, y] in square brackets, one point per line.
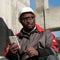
[19, 20]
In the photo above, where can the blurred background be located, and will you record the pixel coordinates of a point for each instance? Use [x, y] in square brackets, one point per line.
[47, 16]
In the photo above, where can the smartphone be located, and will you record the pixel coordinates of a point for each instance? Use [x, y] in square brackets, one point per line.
[14, 39]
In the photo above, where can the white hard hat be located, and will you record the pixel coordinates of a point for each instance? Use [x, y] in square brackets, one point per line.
[26, 9]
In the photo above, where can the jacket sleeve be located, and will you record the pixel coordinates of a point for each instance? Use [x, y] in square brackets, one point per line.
[47, 50]
[11, 56]
[55, 44]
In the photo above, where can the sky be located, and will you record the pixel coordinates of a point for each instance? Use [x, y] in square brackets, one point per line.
[51, 4]
[33, 4]
[54, 3]
[57, 34]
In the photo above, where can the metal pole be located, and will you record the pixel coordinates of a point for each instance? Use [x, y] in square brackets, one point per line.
[44, 18]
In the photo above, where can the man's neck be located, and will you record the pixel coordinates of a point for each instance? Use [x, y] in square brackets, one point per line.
[29, 30]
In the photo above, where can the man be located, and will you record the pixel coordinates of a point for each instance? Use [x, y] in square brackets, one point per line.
[35, 43]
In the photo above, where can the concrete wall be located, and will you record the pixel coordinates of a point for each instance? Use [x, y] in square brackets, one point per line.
[39, 12]
[52, 17]
[9, 10]
[5, 11]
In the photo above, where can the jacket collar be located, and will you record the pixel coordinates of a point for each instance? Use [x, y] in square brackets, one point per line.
[40, 29]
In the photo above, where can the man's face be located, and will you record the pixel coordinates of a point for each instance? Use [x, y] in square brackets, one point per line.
[28, 20]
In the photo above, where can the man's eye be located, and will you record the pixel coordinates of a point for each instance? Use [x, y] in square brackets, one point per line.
[28, 18]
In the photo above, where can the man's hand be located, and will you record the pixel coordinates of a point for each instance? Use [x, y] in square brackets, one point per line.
[31, 51]
[14, 48]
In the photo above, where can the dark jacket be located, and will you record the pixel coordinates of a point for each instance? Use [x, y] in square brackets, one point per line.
[39, 39]
[5, 32]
